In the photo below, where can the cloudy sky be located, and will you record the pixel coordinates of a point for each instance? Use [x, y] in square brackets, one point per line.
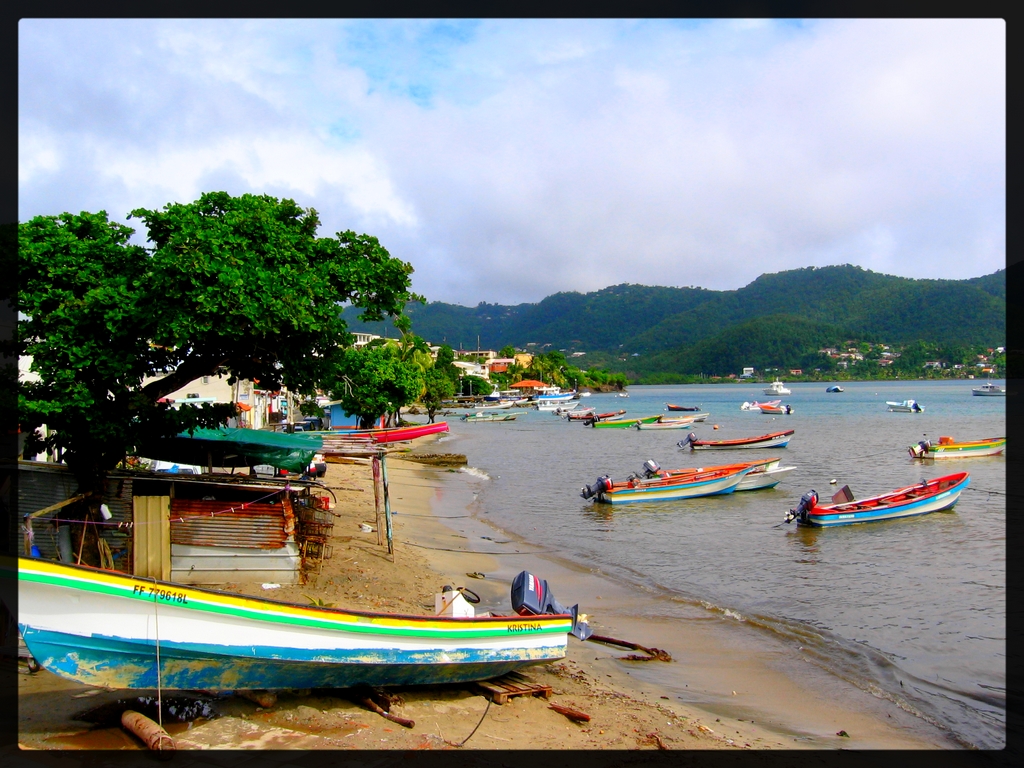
[510, 159]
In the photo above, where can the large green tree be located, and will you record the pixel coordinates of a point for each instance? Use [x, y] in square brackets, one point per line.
[437, 387]
[374, 381]
[241, 285]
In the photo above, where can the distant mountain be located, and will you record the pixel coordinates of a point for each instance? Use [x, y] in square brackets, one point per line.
[820, 302]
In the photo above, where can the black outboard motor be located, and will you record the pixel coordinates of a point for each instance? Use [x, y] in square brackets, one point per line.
[531, 597]
[807, 502]
[685, 442]
[651, 468]
[603, 483]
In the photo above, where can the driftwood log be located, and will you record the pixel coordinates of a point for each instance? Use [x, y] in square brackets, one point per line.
[151, 734]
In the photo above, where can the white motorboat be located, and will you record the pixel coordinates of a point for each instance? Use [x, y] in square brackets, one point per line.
[988, 389]
[907, 406]
[776, 388]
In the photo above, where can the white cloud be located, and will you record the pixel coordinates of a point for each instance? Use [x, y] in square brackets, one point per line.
[507, 160]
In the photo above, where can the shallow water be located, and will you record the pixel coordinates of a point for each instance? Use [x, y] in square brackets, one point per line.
[911, 610]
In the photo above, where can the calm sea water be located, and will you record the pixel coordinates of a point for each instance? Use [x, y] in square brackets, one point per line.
[920, 601]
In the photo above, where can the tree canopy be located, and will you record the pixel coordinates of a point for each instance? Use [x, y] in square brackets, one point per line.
[241, 285]
[374, 381]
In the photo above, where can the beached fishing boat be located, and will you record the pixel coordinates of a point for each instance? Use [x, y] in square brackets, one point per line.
[777, 388]
[782, 410]
[905, 406]
[109, 629]
[756, 406]
[764, 473]
[672, 407]
[472, 418]
[621, 423]
[395, 434]
[947, 448]
[927, 496]
[665, 422]
[711, 482]
[771, 440]
[988, 389]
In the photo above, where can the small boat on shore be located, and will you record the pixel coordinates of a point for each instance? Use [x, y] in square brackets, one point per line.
[711, 482]
[777, 388]
[672, 407]
[927, 496]
[947, 448]
[394, 434]
[112, 630]
[834, 388]
[771, 440]
[756, 406]
[905, 406]
[988, 389]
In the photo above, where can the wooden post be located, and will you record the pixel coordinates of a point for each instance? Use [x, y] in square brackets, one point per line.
[378, 498]
[387, 506]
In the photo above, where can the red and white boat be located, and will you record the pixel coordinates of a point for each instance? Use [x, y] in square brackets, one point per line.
[927, 496]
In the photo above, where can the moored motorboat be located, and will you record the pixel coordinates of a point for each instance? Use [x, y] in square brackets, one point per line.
[771, 440]
[574, 416]
[621, 423]
[764, 473]
[834, 388]
[782, 410]
[672, 407]
[112, 630]
[927, 496]
[710, 482]
[905, 406]
[665, 422]
[756, 406]
[473, 418]
[947, 448]
[777, 388]
[988, 389]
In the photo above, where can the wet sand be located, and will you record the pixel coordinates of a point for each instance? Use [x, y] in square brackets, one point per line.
[777, 704]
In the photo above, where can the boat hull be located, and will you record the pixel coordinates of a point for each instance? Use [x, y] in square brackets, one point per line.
[846, 514]
[101, 628]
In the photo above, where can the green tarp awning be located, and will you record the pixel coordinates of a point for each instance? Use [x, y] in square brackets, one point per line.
[229, 447]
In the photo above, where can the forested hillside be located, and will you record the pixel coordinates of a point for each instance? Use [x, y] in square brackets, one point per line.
[778, 318]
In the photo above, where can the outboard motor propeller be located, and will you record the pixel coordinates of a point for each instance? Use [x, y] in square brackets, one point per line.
[685, 442]
[807, 502]
[603, 483]
[531, 597]
[651, 468]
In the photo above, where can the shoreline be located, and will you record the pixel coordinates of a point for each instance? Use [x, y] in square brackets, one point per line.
[441, 536]
[733, 673]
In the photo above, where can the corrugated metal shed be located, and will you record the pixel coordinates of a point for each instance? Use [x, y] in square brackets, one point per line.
[222, 565]
[220, 524]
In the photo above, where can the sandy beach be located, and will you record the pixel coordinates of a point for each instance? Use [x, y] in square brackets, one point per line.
[438, 541]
